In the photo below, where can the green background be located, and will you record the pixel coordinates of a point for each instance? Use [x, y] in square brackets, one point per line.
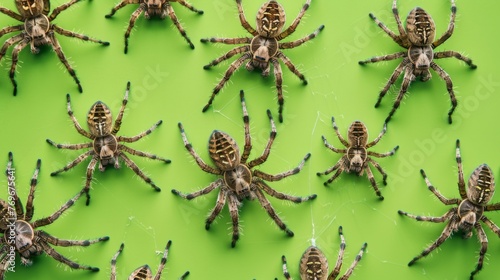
[168, 83]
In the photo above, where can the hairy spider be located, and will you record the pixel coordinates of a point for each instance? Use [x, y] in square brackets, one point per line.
[152, 8]
[144, 272]
[38, 30]
[238, 180]
[264, 48]
[418, 39]
[105, 146]
[356, 157]
[468, 213]
[21, 235]
[314, 265]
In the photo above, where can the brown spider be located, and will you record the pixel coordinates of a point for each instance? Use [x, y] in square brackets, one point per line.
[144, 272]
[152, 8]
[314, 265]
[472, 204]
[237, 179]
[264, 48]
[20, 235]
[356, 157]
[105, 146]
[38, 30]
[418, 39]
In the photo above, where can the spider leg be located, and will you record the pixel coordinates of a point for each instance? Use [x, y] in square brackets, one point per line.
[278, 75]
[407, 79]
[229, 41]
[113, 262]
[70, 146]
[119, 117]
[461, 181]
[61, 8]
[380, 169]
[140, 135]
[244, 21]
[189, 6]
[354, 263]
[298, 42]
[338, 264]
[449, 87]
[329, 146]
[72, 164]
[285, 270]
[50, 219]
[205, 167]
[272, 213]
[141, 154]
[75, 121]
[11, 14]
[10, 29]
[402, 33]
[457, 55]
[279, 195]
[15, 59]
[19, 214]
[451, 27]
[338, 166]
[67, 243]
[226, 56]
[130, 164]
[265, 154]
[397, 72]
[173, 17]
[291, 67]
[381, 155]
[491, 224]
[282, 175]
[71, 34]
[389, 32]
[163, 261]
[120, 5]
[9, 42]
[295, 22]
[375, 141]
[203, 191]
[483, 239]
[233, 205]
[62, 259]
[448, 215]
[88, 180]
[221, 201]
[31, 196]
[233, 67]
[369, 174]
[336, 129]
[133, 19]
[58, 50]
[443, 199]
[387, 57]
[246, 123]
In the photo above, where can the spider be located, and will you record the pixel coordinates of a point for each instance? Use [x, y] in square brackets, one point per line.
[20, 235]
[144, 272]
[238, 180]
[105, 146]
[356, 157]
[264, 48]
[468, 213]
[418, 39]
[314, 265]
[152, 8]
[36, 31]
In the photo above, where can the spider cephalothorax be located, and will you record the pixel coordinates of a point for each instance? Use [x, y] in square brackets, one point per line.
[356, 158]
[314, 264]
[264, 48]
[154, 8]
[238, 179]
[469, 212]
[106, 147]
[21, 235]
[418, 38]
[144, 272]
[37, 31]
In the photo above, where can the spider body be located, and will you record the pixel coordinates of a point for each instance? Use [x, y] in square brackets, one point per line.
[106, 146]
[22, 234]
[238, 179]
[38, 30]
[356, 158]
[469, 212]
[418, 38]
[314, 264]
[264, 48]
[154, 8]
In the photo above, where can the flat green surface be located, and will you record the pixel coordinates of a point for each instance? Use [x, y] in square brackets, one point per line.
[168, 83]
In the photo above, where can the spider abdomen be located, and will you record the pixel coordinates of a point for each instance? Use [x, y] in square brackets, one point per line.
[313, 264]
[142, 273]
[420, 27]
[481, 185]
[224, 151]
[99, 119]
[357, 134]
[239, 180]
[270, 19]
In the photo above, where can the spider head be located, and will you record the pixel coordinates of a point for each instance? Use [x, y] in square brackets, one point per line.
[421, 57]
[239, 180]
[31, 8]
[420, 28]
[357, 158]
[106, 147]
[270, 19]
[223, 151]
[154, 8]
[155, 4]
[143, 272]
[99, 119]
[23, 233]
[469, 213]
[262, 49]
[481, 185]
[357, 134]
